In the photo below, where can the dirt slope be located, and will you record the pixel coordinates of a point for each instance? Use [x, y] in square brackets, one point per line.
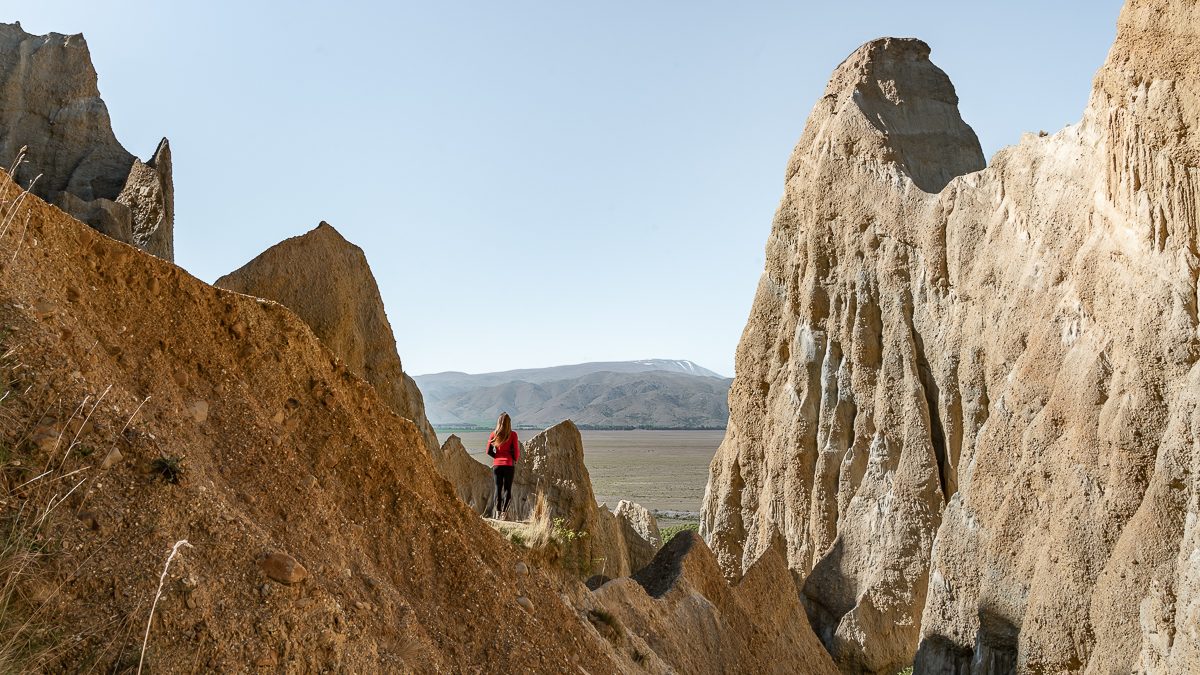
[283, 449]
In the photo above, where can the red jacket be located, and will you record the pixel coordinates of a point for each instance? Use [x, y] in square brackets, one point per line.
[507, 453]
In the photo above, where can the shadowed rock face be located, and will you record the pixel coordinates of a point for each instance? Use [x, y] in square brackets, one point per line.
[973, 413]
[326, 281]
[50, 105]
[695, 620]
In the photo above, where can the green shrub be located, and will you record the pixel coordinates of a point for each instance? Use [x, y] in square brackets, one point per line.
[169, 469]
[669, 533]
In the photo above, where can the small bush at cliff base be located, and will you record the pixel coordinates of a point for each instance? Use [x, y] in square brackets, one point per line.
[668, 533]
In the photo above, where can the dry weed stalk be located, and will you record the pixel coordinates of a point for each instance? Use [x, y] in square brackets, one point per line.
[9, 209]
[161, 580]
[24, 541]
[127, 423]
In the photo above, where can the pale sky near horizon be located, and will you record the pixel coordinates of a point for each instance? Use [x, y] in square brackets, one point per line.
[534, 183]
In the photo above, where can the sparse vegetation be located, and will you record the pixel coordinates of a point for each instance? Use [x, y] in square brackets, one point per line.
[28, 641]
[413, 655]
[168, 468]
[563, 534]
[516, 537]
[669, 532]
[551, 539]
[158, 594]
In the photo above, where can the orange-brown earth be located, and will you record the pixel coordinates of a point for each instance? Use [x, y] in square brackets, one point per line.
[282, 450]
[322, 538]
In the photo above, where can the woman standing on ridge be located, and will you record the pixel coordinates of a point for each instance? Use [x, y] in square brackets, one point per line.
[505, 450]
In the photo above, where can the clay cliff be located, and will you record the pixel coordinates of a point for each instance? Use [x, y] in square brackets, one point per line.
[967, 397]
[615, 544]
[327, 282]
[144, 407]
[50, 106]
[296, 520]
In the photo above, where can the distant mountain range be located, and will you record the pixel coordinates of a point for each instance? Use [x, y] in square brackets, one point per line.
[650, 394]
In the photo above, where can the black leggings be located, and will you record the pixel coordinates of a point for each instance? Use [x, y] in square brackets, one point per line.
[504, 479]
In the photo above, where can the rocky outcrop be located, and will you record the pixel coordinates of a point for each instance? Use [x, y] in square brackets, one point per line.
[326, 281]
[968, 398]
[50, 106]
[640, 520]
[829, 440]
[689, 616]
[552, 465]
[472, 480]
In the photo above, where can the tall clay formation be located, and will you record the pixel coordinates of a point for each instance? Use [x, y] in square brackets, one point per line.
[327, 281]
[968, 399]
[829, 441]
[50, 105]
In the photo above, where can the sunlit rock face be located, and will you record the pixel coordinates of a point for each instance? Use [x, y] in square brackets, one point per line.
[967, 397]
[327, 281]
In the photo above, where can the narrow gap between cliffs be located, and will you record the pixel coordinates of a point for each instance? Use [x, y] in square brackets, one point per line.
[937, 435]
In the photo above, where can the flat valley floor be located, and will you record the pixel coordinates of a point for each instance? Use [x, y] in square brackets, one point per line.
[661, 470]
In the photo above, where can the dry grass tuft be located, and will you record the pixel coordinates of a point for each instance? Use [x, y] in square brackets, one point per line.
[540, 532]
[10, 207]
[33, 491]
[413, 655]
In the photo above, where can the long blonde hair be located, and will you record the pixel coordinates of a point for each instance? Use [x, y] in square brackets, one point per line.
[503, 429]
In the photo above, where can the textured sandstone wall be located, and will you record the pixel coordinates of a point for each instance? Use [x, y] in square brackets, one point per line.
[969, 404]
[829, 440]
[50, 105]
[326, 281]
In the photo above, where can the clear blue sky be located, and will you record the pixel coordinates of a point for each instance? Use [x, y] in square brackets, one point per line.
[534, 183]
